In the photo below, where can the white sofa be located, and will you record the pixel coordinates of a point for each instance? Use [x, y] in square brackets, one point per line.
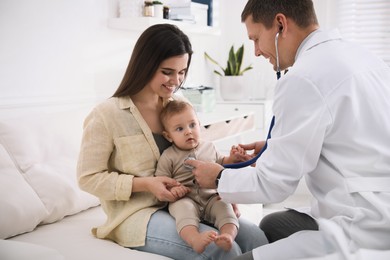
[43, 213]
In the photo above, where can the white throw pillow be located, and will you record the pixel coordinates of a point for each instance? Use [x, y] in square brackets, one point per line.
[45, 148]
[58, 190]
[21, 208]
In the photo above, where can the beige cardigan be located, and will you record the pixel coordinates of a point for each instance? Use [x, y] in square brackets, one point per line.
[118, 145]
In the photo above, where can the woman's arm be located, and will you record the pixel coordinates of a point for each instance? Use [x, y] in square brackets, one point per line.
[96, 149]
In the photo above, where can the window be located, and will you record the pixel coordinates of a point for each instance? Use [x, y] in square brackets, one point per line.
[366, 22]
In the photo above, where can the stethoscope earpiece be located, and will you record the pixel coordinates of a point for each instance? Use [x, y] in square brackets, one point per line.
[277, 55]
[278, 75]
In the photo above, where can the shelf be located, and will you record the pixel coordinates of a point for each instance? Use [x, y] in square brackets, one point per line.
[219, 125]
[139, 24]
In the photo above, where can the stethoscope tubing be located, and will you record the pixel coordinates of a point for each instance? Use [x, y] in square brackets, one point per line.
[254, 159]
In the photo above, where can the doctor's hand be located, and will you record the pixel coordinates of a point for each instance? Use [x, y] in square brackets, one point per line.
[255, 147]
[205, 172]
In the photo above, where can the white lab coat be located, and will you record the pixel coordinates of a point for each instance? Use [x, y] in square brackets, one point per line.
[332, 126]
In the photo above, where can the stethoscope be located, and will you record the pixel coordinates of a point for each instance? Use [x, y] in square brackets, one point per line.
[254, 159]
[278, 75]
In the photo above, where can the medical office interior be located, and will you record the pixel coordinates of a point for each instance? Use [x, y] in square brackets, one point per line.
[61, 55]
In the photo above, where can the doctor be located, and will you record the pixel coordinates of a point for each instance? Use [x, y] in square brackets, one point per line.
[331, 127]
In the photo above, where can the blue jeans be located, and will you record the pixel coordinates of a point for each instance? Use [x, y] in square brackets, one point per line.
[163, 239]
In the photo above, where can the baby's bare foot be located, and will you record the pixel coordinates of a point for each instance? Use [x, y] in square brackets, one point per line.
[201, 241]
[224, 241]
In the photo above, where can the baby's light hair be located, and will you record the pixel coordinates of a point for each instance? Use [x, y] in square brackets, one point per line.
[173, 107]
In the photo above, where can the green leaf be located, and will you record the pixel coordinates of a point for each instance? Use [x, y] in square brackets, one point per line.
[246, 69]
[217, 72]
[233, 64]
[215, 62]
[240, 56]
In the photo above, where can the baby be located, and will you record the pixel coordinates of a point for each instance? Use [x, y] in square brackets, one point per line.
[182, 128]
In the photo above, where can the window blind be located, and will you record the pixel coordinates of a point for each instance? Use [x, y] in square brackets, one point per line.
[366, 22]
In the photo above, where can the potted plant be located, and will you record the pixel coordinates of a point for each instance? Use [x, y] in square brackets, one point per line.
[232, 86]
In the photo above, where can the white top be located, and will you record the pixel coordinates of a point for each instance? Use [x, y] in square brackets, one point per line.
[333, 128]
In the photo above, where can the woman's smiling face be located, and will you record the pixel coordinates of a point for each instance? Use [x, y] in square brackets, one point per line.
[169, 75]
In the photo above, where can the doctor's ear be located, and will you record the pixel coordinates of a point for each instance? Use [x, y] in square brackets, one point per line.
[280, 21]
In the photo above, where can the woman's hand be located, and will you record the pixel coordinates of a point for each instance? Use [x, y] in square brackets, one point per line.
[167, 189]
[159, 186]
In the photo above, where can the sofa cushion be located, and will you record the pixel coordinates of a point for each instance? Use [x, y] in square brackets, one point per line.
[73, 239]
[15, 250]
[21, 208]
[45, 148]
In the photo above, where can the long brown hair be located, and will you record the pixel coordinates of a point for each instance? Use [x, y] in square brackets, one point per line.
[156, 44]
[264, 11]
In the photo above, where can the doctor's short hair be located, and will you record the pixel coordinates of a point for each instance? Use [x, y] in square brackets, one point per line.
[264, 11]
[172, 108]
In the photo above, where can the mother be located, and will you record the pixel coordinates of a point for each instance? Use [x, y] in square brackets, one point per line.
[122, 142]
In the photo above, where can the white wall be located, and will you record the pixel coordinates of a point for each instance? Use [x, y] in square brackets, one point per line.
[58, 48]
[63, 49]
[261, 79]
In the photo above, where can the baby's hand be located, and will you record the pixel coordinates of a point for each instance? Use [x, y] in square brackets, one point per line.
[238, 154]
[179, 191]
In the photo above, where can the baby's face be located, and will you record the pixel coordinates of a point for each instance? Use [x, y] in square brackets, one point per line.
[184, 129]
